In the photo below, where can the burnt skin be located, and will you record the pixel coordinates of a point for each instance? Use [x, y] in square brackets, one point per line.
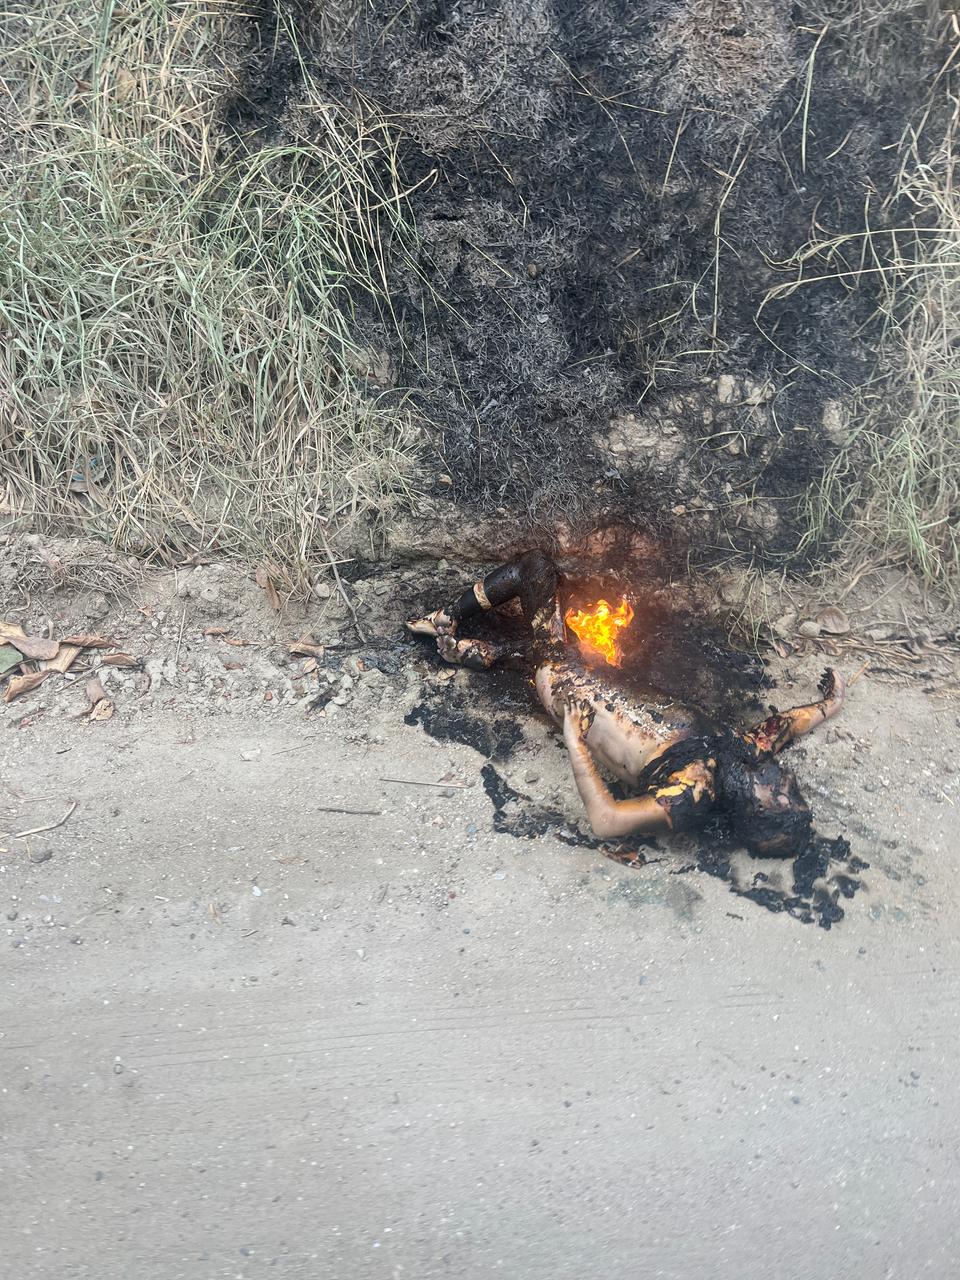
[630, 728]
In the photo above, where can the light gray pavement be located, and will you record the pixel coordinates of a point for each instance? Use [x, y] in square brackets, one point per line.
[240, 1037]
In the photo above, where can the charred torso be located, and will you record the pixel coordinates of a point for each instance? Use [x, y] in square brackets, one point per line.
[632, 726]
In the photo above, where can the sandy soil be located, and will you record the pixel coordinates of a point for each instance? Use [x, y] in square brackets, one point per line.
[263, 1007]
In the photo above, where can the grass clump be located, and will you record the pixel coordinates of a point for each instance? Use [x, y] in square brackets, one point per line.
[894, 485]
[178, 370]
[892, 489]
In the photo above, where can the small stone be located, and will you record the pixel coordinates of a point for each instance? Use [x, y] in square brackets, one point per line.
[757, 393]
[833, 621]
[809, 629]
[730, 590]
[531, 777]
[322, 590]
[726, 388]
[832, 420]
[784, 626]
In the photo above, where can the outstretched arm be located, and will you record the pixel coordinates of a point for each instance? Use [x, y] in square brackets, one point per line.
[608, 817]
[783, 727]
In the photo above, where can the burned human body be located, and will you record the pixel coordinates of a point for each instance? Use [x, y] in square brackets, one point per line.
[681, 764]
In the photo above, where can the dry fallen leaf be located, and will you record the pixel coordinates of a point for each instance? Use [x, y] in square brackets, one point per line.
[29, 646]
[235, 641]
[64, 659]
[233, 666]
[103, 710]
[23, 684]
[306, 649]
[265, 582]
[833, 621]
[309, 666]
[119, 660]
[95, 691]
[216, 631]
[53, 563]
[124, 84]
[84, 641]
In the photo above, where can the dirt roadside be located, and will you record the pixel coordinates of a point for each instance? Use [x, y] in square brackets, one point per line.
[262, 1006]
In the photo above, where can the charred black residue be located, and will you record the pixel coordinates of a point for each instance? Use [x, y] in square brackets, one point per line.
[825, 870]
[517, 815]
[450, 716]
[271, 73]
[513, 812]
[670, 647]
[498, 789]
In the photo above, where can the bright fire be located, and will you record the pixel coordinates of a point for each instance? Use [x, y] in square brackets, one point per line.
[598, 628]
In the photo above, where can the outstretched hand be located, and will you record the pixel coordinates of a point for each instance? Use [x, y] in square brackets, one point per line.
[578, 716]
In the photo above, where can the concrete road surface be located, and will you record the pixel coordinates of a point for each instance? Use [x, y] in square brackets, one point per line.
[243, 1035]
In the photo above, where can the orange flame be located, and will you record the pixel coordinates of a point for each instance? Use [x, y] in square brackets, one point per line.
[597, 628]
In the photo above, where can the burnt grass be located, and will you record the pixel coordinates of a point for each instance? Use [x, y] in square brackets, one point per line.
[603, 193]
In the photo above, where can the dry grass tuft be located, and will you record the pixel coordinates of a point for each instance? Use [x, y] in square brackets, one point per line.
[892, 491]
[177, 370]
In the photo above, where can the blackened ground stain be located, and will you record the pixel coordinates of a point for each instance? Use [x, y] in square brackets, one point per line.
[820, 874]
[449, 718]
[677, 651]
[517, 815]
[498, 789]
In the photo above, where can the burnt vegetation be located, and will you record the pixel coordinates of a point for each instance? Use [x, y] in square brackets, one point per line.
[605, 199]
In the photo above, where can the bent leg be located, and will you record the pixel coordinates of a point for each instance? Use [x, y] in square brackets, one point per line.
[532, 577]
[479, 655]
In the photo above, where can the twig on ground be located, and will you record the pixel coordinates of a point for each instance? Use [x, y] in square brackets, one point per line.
[416, 782]
[373, 813]
[340, 587]
[183, 623]
[51, 826]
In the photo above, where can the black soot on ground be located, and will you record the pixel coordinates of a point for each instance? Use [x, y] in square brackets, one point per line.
[670, 646]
